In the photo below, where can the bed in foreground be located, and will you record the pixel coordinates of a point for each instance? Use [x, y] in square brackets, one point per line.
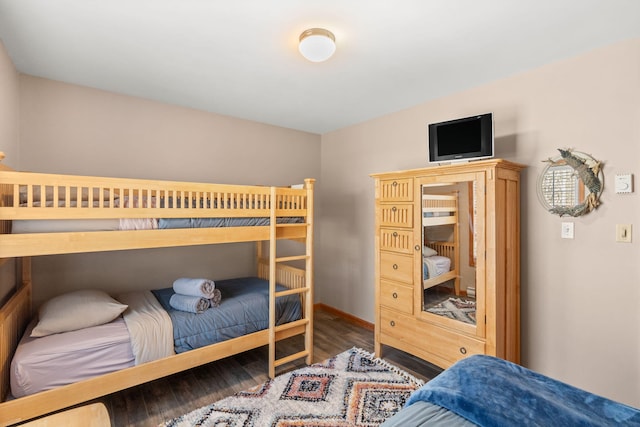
[487, 391]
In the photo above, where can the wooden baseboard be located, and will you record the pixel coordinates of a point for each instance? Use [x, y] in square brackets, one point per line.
[346, 316]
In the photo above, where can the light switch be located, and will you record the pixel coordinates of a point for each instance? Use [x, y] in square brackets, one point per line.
[623, 233]
[567, 230]
[624, 183]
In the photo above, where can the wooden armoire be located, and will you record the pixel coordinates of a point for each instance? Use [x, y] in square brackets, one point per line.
[447, 261]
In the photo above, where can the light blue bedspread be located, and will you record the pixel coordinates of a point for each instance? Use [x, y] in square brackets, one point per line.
[164, 223]
[243, 309]
[492, 392]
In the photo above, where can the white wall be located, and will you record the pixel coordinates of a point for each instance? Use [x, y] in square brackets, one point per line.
[580, 297]
[77, 130]
[9, 103]
[9, 139]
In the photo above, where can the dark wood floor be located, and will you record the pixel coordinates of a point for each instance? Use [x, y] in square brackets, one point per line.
[161, 400]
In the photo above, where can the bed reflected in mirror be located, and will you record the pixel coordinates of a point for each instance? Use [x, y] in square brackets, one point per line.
[449, 251]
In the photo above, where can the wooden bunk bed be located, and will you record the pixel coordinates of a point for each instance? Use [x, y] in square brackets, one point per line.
[41, 197]
[439, 210]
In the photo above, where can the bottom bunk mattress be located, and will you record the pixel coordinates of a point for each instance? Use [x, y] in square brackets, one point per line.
[55, 360]
[244, 309]
[434, 266]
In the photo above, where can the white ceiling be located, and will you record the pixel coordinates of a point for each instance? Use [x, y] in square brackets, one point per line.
[240, 58]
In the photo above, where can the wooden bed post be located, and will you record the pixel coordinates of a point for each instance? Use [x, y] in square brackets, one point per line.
[15, 315]
[272, 283]
[309, 270]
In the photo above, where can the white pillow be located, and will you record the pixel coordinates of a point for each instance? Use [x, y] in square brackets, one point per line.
[427, 251]
[76, 310]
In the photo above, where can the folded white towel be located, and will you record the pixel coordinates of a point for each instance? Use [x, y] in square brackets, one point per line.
[194, 287]
[189, 303]
[217, 297]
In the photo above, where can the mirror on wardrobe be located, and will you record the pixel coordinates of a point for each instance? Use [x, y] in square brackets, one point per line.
[449, 252]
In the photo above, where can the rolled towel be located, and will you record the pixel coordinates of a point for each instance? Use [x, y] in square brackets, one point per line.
[189, 303]
[194, 287]
[216, 298]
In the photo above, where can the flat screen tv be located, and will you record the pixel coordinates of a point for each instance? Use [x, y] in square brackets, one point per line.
[469, 138]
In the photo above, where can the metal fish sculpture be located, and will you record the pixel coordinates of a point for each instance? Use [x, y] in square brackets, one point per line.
[586, 174]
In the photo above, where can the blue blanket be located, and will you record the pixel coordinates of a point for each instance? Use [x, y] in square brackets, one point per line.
[223, 222]
[493, 392]
[243, 309]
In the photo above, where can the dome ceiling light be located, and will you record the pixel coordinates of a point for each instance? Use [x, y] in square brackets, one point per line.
[317, 44]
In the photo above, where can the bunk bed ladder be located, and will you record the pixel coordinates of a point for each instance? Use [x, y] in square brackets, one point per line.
[305, 291]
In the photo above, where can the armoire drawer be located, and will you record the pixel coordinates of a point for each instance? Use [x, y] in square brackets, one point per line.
[397, 240]
[396, 190]
[443, 343]
[396, 215]
[396, 267]
[396, 296]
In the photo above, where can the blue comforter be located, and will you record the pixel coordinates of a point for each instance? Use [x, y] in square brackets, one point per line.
[243, 309]
[165, 223]
[493, 392]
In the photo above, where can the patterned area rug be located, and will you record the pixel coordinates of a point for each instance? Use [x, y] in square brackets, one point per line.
[456, 308]
[351, 389]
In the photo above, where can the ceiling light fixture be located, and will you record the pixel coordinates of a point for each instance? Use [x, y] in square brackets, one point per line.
[317, 44]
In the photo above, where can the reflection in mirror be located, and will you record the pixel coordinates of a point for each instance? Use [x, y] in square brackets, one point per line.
[570, 184]
[448, 267]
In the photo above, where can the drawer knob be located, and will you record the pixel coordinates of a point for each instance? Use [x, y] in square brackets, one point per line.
[395, 234]
[392, 323]
[394, 208]
[395, 295]
[395, 183]
[463, 350]
[395, 266]
[417, 247]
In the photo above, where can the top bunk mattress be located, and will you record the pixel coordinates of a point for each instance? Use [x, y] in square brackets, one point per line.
[72, 225]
